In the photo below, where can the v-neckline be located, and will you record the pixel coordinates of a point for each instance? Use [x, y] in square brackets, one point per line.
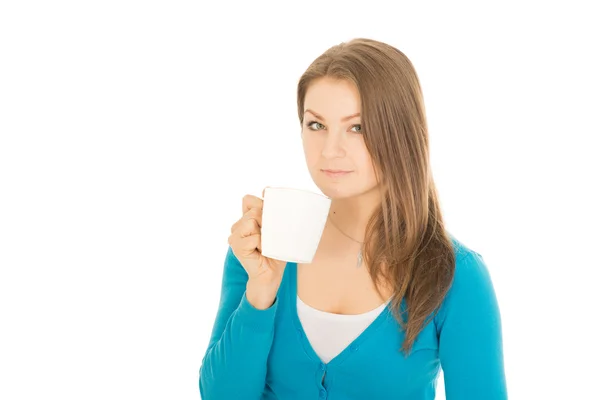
[308, 349]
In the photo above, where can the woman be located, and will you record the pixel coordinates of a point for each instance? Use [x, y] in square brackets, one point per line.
[390, 297]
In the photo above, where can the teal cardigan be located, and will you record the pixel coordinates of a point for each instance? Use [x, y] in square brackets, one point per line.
[264, 354]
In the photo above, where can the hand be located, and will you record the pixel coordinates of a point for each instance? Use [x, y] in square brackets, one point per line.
[264, 274]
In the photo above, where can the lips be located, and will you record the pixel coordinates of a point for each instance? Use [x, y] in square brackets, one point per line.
[335, 173]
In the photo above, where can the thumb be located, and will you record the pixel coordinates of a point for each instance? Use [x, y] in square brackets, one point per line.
[278, 265]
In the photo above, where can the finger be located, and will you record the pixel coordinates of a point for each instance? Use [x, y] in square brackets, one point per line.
[256, 214]
[248, 227]
[277, 265]
[236, 225]
[249, 201]
[247, 245]
[253, 213]
[251, 244]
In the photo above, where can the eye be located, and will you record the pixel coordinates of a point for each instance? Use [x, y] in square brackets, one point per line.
[358, 128]
[315, 126]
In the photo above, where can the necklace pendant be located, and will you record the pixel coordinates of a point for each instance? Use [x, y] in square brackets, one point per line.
[359, 259]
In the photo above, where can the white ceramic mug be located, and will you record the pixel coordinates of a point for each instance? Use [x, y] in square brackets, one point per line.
[292, 223]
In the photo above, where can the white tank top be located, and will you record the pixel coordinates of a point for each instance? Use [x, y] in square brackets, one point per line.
[329, 334]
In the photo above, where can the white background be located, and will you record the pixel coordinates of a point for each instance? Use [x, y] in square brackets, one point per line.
[130, 130]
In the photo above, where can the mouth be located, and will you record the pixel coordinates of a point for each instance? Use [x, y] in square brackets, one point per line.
[335, 173]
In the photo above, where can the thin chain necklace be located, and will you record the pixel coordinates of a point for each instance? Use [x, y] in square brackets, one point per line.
[359, 258]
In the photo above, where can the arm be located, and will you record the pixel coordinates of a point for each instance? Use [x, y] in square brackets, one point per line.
[470, 334]
[235, 362]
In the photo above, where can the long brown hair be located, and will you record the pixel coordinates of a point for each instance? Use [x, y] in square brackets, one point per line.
[406, 244]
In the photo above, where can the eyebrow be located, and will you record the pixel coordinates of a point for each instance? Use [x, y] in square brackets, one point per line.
[320, 117]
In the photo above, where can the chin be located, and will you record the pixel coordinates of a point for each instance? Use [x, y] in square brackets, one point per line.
[335, 194]
[338, 191]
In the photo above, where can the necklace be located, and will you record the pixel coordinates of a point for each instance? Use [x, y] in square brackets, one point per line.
[359, 258]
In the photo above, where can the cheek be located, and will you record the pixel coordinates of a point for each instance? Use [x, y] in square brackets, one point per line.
[366, 165]
[312, 149]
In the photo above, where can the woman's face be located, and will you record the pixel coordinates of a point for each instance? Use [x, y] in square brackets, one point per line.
[334, 146]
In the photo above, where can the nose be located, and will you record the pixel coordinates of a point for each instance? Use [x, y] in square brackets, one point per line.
[334, 145]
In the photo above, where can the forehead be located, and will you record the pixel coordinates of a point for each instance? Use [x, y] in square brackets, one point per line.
[332, 98]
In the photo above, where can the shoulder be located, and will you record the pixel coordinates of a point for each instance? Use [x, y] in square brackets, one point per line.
[471, 291]
[471, 270]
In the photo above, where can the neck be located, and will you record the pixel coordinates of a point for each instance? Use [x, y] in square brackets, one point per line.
[352, 214]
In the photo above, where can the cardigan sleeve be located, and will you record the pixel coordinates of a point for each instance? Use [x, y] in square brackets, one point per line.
[235, 361]
[470, 334]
